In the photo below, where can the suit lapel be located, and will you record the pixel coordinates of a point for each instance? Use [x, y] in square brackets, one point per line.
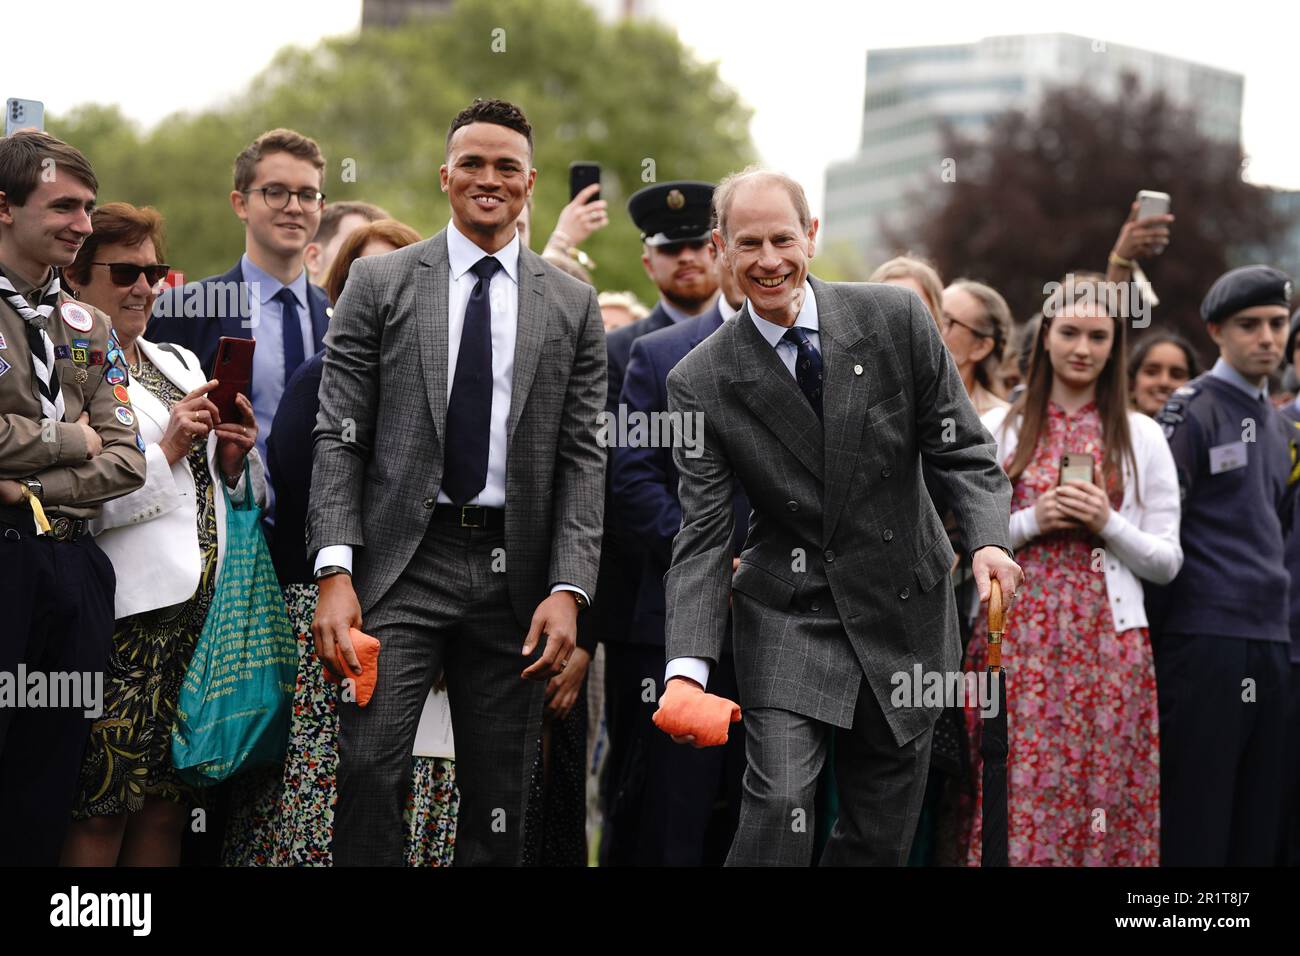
[431, 286]
[846, 347]
[772, 394]
[237, 326]
[318, 304]
[530, 334]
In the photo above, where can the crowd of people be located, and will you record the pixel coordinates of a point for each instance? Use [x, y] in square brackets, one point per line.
[420, 434]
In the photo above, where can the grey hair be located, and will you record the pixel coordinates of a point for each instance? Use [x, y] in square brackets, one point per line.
[997, 325]
[725, 192]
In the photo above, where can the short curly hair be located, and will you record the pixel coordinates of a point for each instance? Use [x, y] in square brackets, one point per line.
[493, 111]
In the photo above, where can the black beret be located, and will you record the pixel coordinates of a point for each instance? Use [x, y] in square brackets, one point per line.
[1290, 337]
[1245, 288]
[672, 212]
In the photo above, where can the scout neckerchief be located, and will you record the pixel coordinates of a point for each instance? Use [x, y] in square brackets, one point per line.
[38, 341]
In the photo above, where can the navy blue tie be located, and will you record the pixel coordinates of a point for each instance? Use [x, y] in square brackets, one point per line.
[469, 411]
[290, 331]
[807, 368]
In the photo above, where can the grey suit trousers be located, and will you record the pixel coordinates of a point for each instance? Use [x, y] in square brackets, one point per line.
[449, 611]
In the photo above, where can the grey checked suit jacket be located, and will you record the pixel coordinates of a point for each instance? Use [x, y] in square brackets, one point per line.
[842, 520]
[378, 457]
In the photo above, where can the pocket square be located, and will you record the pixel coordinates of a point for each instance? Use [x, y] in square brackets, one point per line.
[367, 650]
[686, 710]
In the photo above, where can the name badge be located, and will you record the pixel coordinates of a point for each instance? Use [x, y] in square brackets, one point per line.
[1228, 457]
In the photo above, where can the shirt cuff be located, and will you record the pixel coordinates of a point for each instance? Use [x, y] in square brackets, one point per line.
[696, 668]
[572, 587]
[334, 554]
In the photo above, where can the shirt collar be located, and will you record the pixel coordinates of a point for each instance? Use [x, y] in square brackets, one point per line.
[725, 308]
[268, 286]
[24, 287]
[807, 318]
[463, 252]
[1225, 372]
[676, 314]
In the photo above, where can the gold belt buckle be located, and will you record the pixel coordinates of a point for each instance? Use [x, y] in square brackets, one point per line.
[61, 528]
[464, 510]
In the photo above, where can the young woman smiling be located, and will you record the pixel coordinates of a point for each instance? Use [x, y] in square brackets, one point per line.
[1083, 716]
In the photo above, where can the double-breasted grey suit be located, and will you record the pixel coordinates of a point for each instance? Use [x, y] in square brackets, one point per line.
[439, 597]
[841, 583]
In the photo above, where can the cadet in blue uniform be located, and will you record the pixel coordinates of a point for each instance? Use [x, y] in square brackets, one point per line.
[1288, 850]
[1222, 653]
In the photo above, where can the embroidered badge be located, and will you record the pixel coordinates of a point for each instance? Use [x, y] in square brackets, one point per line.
[120, 393]
[4, 366]
[124, 415]
[76, 317]
[115, 376]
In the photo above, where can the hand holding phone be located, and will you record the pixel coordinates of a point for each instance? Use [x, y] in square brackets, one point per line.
[233, 370]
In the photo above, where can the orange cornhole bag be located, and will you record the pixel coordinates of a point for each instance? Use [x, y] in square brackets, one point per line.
[685, 710]
[367, 650]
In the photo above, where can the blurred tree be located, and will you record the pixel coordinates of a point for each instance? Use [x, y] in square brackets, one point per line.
[627, 95]
[1046, 193]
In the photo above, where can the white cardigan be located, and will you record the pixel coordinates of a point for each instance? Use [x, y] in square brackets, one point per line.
[151, 535]
[1141, 539]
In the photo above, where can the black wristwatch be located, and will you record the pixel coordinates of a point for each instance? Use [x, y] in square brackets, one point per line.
[35, 487]
[329, 570]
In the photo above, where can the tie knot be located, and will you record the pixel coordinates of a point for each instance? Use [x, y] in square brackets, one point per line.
[486, 268]
[797, 337]
[286, 297]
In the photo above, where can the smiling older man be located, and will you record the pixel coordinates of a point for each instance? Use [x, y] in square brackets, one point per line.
[824, 399]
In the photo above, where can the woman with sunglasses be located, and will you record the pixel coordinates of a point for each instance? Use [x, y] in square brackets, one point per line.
[166, 543]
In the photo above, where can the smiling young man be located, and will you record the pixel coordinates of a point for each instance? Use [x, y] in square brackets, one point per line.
[1223, 640]
[67, 444]
[823, 399]
[278, 196]
[456, 496]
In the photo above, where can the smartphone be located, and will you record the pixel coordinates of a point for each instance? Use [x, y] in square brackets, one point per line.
[24, 114]
[582, 175]
[233, 370]
[1076, 467]
[1152, 204]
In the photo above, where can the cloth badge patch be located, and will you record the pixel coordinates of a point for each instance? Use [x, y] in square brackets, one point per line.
[4, 366]
[139, 442]
[124, 415]
[96, 357]
[121, 395]
[61, 352]
[80, 356]
[75, 317]
[115, 376]
[3, 345]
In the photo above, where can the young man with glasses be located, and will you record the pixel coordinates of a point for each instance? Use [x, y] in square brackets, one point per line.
[68, 443]
[278, 196]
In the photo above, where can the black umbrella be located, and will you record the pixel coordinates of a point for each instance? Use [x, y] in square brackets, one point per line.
[993, 742]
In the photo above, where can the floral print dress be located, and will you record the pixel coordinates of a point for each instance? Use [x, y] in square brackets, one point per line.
[1082, 717]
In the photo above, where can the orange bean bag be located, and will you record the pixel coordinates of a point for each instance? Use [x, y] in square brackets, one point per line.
[367, 650]
[686, 710]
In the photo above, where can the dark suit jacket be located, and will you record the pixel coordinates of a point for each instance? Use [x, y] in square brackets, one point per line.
[199, 313]
[288, 460]
[379, 435]
[645, 478]
[842, 522]
[619, 345]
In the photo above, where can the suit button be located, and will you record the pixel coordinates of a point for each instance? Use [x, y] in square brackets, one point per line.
[904, 594]
[885, 472]
[430, 502]
[829, 556]
[792, 505]
[888, 535]
[815, 606]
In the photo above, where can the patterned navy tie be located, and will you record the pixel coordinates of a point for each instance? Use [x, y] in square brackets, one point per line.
[807, 368]
[469, 411]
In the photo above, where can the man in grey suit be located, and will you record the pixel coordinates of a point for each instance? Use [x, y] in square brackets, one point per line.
[824, 399]
[457, 496]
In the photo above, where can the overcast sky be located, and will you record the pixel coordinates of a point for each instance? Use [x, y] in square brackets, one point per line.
[800, 64]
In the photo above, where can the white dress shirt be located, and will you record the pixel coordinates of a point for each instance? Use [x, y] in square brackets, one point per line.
[503, 294]
[697, 668]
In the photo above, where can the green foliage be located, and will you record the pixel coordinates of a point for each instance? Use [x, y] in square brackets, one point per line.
[616, 94]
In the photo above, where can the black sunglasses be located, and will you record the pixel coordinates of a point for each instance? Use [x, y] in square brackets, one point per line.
[125, 273]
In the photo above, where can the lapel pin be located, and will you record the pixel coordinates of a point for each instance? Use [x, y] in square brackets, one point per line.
[857, 370]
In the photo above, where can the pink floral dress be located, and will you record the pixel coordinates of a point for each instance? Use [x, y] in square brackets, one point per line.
[1082, 718]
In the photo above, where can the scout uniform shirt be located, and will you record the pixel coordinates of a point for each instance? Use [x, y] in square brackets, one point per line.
[1236, 460]
[56, 454]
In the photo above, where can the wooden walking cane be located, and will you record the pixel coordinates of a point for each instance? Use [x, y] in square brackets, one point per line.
[993, 743]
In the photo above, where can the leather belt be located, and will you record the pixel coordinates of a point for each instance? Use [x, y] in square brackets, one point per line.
[19, 523]
[470, 516]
